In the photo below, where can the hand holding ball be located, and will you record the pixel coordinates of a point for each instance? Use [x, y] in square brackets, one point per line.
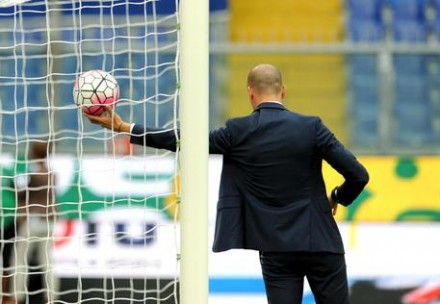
[93, 90]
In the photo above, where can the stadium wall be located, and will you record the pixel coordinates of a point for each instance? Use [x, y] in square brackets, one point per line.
[391, 232]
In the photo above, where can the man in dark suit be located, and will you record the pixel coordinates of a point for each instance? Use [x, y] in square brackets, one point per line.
[272, 193]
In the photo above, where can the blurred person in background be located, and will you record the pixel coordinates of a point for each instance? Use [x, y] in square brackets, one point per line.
[8, 228]
[36, 214]
[272, 194]
[8, 224]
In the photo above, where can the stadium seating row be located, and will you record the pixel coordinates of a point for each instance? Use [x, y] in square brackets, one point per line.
[364, 96]
[415, 102]
[401, 9]
[319, 82]
[408, 20]
[413, 107]
[322, 22]
[26, 87]
[136, 34]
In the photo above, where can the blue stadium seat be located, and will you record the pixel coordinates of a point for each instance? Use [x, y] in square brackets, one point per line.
[365, 20]
[17, 97]
[366, 9]
[91, 62]
[417, 114]
[435, 93]
[410, 64]
[35, 67]
[69, 64]
[407, 137]
[436, 25]
[32, 119]
[36, 95]
[364, 107]
[7, 97]
[365, 111]
[31, 36]
[67, 78]
[70, 35]
[409, 31]
[411, 89]
[413, 124]
[365, 131]
[408, 9]
[139, 62]
[140, 92]
[68, 118]
[436, 6]
[363, 97]
[153, 115]
[362, 64]
[124, 85]
[365, 123]
[365, 30]
[135, 7]
[364, 84]
[7, 125]
[18, 123]
[433, 64]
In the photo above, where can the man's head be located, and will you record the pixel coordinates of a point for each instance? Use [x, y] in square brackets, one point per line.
[265, 83]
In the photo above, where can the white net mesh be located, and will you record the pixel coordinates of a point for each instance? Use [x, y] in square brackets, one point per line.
[109, 235]
[7, 3]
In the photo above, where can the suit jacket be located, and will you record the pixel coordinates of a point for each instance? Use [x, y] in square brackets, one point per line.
[272, 194]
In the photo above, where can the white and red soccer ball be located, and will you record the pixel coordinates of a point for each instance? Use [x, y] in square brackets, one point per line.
[93, 89]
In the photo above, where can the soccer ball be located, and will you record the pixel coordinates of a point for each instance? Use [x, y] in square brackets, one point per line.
[93, 89]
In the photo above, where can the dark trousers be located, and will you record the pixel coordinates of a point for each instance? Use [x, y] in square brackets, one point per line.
[284, 273]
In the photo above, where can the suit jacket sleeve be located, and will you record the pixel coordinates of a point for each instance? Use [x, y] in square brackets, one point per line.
[155, 137]
[343, 161]
[220, 140]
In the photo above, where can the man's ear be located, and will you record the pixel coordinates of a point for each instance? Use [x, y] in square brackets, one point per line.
[250, 93]
[283, 91]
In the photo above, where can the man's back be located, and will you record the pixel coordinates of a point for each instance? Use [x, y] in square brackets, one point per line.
[272, 182]
[276, 152]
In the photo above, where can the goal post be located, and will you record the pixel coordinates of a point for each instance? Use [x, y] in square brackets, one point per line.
[116, 232]
[194, 71]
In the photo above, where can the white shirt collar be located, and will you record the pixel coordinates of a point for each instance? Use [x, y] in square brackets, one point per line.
[274, 101]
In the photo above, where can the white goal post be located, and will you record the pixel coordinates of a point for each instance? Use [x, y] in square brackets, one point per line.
[194, 69]
[115, 234]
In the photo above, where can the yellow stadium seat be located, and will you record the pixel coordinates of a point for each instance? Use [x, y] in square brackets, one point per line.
[291, 21]
[317, 6]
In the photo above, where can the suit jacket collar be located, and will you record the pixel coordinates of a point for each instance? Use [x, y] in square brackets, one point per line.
[270, 105]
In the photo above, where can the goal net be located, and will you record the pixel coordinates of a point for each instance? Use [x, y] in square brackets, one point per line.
[100, 225]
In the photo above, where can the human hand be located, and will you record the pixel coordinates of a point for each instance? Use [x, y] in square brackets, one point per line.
[109, 120]
[333, 205]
